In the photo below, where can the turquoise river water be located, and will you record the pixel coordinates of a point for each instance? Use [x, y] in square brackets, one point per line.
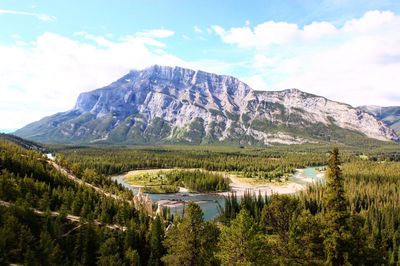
[209, 203]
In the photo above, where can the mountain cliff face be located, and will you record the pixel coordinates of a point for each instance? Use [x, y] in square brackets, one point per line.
[389, 115]
[177, 105]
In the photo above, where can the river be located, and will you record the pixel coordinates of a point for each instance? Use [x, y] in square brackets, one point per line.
[210, 203]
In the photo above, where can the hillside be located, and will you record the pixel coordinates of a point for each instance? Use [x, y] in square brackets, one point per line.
[48, 219]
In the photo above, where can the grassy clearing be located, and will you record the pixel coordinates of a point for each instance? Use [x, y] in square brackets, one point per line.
[151, 177]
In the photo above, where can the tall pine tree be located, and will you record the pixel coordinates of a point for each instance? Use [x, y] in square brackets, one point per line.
[156, 237]
[337, 233]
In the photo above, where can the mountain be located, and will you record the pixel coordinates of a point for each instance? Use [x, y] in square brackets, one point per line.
[176, 105]
[389, 115]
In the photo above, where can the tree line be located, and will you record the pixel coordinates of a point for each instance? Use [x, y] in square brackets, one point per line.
[255, 164]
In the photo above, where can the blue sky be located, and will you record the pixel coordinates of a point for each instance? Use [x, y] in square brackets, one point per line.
[53, 50]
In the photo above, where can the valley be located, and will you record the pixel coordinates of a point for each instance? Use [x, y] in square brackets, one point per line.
[200, 133]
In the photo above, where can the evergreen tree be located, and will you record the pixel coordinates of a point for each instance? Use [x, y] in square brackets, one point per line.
[132, 257]
[277, 215]
[156, 237]
[337, 233]
[189, 243]
[51, 253]
[305, 240]
[241, 243]
[109, 253]
[89, 243]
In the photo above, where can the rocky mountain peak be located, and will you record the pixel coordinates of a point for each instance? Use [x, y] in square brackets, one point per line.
[175, 104]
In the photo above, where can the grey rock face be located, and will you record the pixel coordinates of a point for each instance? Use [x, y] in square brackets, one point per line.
[174, 105]
[389, 115]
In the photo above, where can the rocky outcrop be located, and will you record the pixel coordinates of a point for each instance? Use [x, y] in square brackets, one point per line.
[142, 201]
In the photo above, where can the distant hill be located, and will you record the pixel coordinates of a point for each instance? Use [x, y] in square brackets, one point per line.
[27, 144]
[177, 105]
[7, 130]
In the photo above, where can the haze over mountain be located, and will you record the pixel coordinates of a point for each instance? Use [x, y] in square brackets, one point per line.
[164, 104]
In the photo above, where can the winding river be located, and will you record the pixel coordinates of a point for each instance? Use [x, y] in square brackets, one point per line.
[211, 203]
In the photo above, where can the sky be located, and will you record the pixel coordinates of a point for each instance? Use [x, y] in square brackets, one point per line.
[51, 51]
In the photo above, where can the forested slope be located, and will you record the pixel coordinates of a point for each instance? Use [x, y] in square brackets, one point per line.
[47, 219]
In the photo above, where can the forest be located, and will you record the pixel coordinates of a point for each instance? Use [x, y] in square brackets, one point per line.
[353, 218]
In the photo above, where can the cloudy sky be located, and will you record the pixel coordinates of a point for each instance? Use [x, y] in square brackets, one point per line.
[50, 51]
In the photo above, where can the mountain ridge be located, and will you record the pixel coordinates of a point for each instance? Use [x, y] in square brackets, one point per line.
[163, 104]
[390, 115]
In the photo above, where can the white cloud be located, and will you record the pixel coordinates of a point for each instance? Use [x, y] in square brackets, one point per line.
[372, 20]
[242, 36]
[275, 32]
[317, 30]
[357, 63]
[156, 33]
[47, 76]
[256, 82]
[145, 40]
[40, 16]
[260, 36]
[271, 32]
[100, 40]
